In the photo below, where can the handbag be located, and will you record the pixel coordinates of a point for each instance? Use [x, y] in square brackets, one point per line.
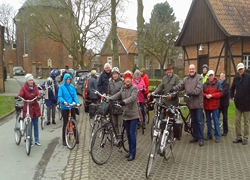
[104, 108]
[76, 109]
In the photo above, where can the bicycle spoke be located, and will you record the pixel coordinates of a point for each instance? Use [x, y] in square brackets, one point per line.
[151, 156]
[71, 134]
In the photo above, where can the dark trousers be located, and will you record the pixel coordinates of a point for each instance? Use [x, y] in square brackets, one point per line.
[197, 124]
[224, 111]
[65, 115]
[130, 126]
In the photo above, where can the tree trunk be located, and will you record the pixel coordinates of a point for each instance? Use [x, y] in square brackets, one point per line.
[140, 25]
[114, 34]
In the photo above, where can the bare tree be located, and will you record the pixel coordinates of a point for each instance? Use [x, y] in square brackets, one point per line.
[7, 14]
[81, 26]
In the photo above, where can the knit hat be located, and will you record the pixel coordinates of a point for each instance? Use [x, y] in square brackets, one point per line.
[127, 74]
[137, 72]
[28, 77]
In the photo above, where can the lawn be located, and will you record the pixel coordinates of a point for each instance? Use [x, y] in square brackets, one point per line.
[7, 104]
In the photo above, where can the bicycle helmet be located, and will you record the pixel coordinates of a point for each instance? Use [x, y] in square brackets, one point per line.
[115, 69]
[205, 66]
[49, 81]
[53, 74]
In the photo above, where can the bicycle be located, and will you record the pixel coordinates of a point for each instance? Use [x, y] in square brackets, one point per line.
[23, 127]
[71, 130]
[59, 111]
[141, 123]
[163, 136]
[42, 107]
[103, 139]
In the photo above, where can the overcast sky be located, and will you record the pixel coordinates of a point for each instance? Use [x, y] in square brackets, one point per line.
[180, 7]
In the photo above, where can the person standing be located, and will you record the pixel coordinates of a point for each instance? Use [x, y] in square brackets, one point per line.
[67, 95]
[66, 71]
[114, 86]
[240, 94]
[128, 96]
[168, 82]
[224, 101]
[204, 73]
[212, 92]
[193, 87]
[28, 92]
[92, 85]
[139, 83]
[144, 76]
[103, 79]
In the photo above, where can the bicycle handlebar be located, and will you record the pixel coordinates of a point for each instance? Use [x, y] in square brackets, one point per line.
[26, 100]
[72, 105]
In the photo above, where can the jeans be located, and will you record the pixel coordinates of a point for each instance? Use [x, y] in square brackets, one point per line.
[142, 104]
[131, 126]
[197, 124]
[49, 109]
[34, 123]
[215, 115]
[224, 111]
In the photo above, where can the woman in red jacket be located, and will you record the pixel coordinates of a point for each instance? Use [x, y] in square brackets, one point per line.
[212, 93]
[28, 92]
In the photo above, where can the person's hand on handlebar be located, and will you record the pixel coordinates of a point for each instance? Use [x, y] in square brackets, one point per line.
[122, 103]
[169, 97]
[38, 98]
[65, 103]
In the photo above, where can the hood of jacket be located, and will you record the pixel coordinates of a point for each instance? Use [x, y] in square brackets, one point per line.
[66, 76]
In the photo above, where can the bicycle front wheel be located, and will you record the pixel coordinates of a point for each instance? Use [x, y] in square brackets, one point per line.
[42, 117]
[125, 140]
[102, 145]
[97, 124]
[28, 138]
[169, 145]
[71, 133]
[151, 156]
[152, 126]
[17, 130]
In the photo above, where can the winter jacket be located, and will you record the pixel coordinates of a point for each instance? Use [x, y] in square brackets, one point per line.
[146, 81]
[224, 100]
[103, 82]
[141, 88]
[167, 84]
[114, 86]
[28, 94]
[67, 93]
[240, 91]
[204, 78]
[192, 84]
[128, 94]
[213, 88]
[52, 95]
[92, 85]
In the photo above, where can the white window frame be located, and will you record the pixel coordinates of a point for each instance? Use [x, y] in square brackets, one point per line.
[246, 61]
[109, 60]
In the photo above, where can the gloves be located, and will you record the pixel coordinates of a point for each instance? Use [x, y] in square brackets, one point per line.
[38, 98]
[190, 94]
[171, 90]
[142, 90]
[65, 103]
[122, 103]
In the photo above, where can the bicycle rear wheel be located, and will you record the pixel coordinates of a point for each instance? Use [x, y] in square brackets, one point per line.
[102, 145]
[97, 124]
[141, 120]
[91, 120]
[71, 133]
[28, 138]
[146, 114]
[151, 156]
[125, 140]
[17, 130]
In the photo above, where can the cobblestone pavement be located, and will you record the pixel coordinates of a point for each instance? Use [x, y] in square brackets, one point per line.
[223, 160]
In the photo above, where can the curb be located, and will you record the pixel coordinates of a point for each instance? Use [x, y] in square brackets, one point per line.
[6, 115]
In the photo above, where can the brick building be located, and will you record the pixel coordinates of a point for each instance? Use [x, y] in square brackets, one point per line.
[217, 33]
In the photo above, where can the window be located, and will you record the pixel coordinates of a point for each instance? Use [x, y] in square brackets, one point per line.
[109, 60]
[246, 61]
[25, 43]
[136, 61]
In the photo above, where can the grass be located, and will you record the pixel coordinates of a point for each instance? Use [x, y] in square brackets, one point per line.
[7, 105]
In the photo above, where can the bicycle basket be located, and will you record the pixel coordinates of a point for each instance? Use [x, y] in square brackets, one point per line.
[151, 106]
[92, 109]
[18, 106]
[104, 108]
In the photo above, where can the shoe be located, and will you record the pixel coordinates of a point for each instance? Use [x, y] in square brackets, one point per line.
[31, 145]
[244, 142]
[127, 155]
[38, 144]
[201, 143]
[64, 144]
[193, 140]
[237, 140]
[217, 140]
[224, 134]
[208, 138]
[48, 123]
[53, 122]
[130, 158]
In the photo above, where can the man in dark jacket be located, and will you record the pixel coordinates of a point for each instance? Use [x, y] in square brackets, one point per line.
[193, 87]
[92, 85]
[103, 79]
[240, 93]
[224, 101]
[212, 93]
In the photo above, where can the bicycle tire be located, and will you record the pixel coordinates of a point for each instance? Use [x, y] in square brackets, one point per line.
[151, 156]
[96, 126]
[146, 114]
[169, 145]
[125, 140]
[91, 120]
[141, 120]
[59, 112]
[17, 130]
[152, 126]
[42, 117]
[189, 128]
[28, 138]
[71, 133]
[102, 145]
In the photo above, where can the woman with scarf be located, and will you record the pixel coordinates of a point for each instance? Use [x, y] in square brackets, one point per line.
[51, 91]
[28, 92]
